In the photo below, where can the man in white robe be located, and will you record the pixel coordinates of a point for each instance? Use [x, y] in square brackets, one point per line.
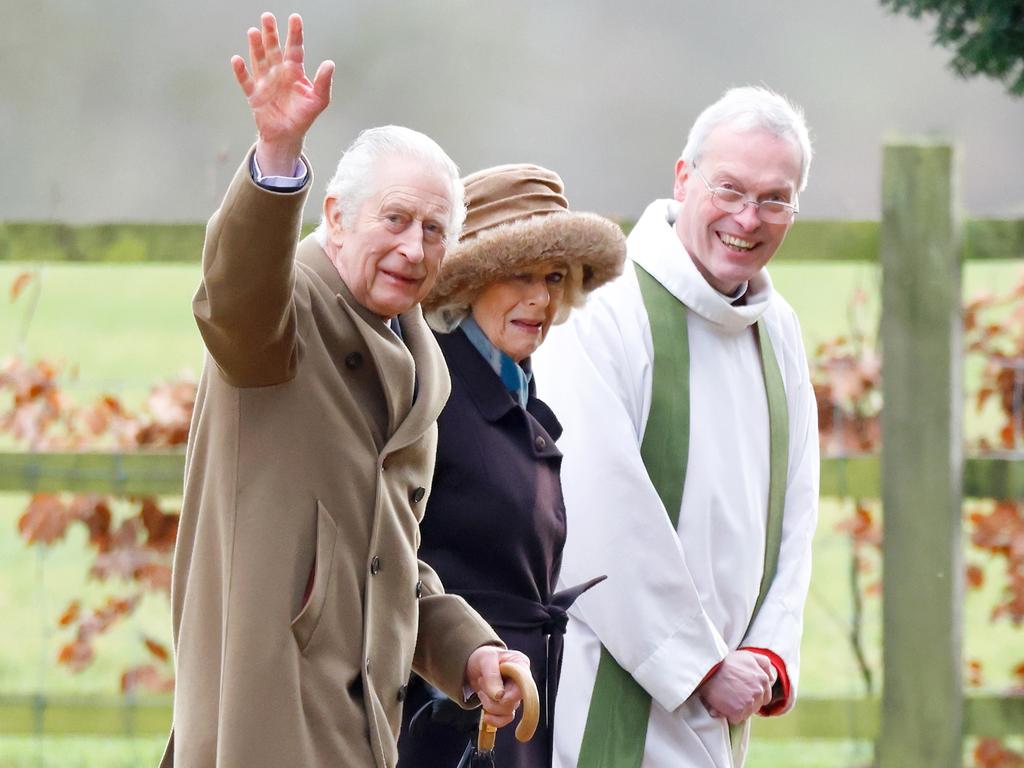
[677, 610]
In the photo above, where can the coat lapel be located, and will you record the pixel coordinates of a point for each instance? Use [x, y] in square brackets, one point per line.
[431, 381]
[485, 389]
[492, 399]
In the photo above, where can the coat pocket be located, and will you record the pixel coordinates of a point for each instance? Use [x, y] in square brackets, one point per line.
[304, 625]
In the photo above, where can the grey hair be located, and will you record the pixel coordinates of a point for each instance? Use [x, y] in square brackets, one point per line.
[352, 182]
[752, 108]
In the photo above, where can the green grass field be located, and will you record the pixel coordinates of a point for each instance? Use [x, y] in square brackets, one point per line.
[126, 327]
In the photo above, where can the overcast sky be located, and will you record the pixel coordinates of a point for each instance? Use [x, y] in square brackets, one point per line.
[114, 111]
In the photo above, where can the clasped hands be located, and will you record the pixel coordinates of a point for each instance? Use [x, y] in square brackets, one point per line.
[741, 686]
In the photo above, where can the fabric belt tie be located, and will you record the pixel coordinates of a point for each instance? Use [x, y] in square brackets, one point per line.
[505, 611]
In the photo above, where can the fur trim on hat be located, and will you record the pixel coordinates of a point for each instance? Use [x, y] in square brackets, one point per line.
[592, 246]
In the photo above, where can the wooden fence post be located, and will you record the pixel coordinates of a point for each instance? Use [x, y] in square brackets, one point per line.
[922, 460]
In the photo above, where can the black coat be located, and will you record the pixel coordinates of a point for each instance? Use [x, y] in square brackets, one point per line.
[494, 530]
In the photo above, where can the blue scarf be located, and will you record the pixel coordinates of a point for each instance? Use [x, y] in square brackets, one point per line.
[515, 379]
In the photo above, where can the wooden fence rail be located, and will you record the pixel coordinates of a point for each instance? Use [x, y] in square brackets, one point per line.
[161, 473]
[847, 719]
[808, 240]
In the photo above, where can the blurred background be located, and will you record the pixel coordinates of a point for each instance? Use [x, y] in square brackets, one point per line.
[115, 111]
[121, 126]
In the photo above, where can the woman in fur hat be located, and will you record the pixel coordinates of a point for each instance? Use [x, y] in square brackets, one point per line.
[495, 522]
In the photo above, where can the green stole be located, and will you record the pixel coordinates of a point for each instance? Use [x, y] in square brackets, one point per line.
[620, 708]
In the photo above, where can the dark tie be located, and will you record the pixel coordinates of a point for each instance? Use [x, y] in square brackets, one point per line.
[394, 325]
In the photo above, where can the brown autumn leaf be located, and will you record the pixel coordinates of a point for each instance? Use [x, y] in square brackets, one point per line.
[1013, 606]
[975, 576]
[974, 673]
[146, 677]
[124, 561]
[159, 650]
[161, 527]
[846, 379]
[70, 614]
[1008, 436]
[991, 753]
[996, 531]
[970, 318]
[124, 554]
[984, 393]
[171, 403]
[21, 280]
[99, 620]
[45, 520]
[861, 526]
[980, 300]
[94, 512]
[156, 576]
[76, 655]
[96, 420]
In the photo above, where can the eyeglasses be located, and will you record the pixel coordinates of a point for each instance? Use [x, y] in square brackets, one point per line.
[734, 201]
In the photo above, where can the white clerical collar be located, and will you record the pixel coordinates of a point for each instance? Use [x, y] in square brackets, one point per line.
[655, 245]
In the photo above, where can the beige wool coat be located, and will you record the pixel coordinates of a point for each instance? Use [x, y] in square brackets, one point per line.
[299, 603]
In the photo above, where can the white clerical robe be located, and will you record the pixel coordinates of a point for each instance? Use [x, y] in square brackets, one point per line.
[676, 601]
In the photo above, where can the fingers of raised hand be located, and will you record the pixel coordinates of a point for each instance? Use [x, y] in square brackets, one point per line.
[242, 75]
[271, 40]
[257, 53]
[322, 81]
[293, 45]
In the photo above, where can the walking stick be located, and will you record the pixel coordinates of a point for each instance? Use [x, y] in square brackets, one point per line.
[483, 755]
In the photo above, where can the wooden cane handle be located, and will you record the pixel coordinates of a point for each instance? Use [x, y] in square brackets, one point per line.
[521, 676]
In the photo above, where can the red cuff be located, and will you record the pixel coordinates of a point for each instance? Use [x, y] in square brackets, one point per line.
[781, 698]
[710, 673]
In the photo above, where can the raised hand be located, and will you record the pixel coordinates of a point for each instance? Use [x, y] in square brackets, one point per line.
[284, 102]
[741, 686]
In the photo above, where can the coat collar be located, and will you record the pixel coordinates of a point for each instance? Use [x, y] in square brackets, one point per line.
[489, 394]
[413, 374]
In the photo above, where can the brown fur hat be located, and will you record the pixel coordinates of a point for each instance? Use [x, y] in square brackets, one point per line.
[517, 217]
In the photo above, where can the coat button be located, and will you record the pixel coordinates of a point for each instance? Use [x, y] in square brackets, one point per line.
[353, 360]
[418, 494]
[375, 566]
[402, 691]
[540, 442]
[419, 589]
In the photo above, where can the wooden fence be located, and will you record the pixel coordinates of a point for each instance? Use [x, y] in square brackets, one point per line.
[921, 477]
